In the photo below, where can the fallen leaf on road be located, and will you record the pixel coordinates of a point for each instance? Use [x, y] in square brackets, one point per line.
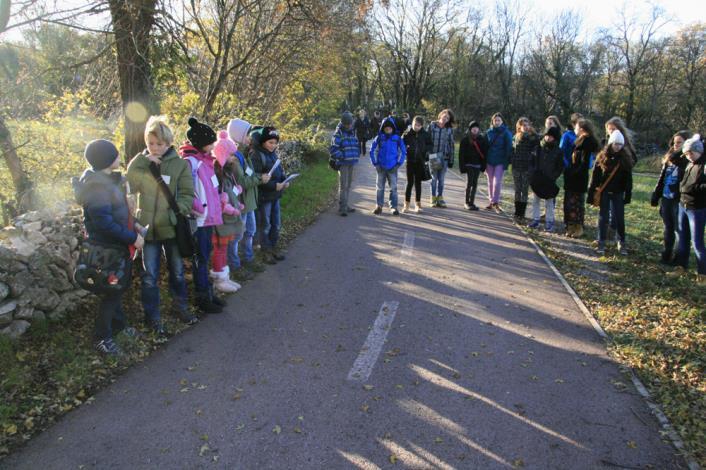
[277, 429]
[393, 458]
[517, 463]
[632, 444]
[368, 387]
[534, 377]
[297, 429]
[438, 440]
[559, 381]
[364, 408]
[239, 427]
[204, 448]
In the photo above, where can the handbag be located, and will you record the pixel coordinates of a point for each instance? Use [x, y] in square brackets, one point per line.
[596, 202]
[436, 162]
[102, 268]
[186, 226]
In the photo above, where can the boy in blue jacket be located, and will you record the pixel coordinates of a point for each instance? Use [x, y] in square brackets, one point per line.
[387, 154]
[107, 219]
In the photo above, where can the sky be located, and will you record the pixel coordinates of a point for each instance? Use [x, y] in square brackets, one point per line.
[595, 13]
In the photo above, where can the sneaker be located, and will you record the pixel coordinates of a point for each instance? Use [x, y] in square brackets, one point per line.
[549, 227]
[600, 251]
[467, 206]
[343, 214]
[188, 318]
[497, 208]
[432, 201]
[158, 329]
[441, 203]
[489, 207]
[395, 212]
[405, 208]
[473, 207]
[534, 224]
[350, 210]
[622, 249]
[109, 348]
[209, 307]
[418, 207]
[377, 210]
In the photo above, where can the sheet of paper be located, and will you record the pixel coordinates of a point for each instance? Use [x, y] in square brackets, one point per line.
[274, 167]
[291, 178]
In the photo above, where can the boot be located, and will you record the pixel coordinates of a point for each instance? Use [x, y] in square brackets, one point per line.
[418, 206]
[523, 210]
[222, 283]
[570, 230]
[405, 207]
[666, 257]
[206, 305]
[440, 202]
[579, 231]
[516, 216]
[432, 201]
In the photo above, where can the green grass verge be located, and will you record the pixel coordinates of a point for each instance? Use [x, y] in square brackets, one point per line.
[53, 368]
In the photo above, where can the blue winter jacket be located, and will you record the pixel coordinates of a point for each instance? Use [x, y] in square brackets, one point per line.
[388, 151]
[499, 146]
[105, 210]
[566, 144]
[345, 147]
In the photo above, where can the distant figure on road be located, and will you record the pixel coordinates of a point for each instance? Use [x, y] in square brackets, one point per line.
[362, 130]
[387, 155]
[345, 152]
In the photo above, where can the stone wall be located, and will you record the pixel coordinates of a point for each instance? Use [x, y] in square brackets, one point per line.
[38, 254]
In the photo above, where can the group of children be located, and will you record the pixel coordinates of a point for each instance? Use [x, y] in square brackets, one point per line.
[595, 169]
[227, 184]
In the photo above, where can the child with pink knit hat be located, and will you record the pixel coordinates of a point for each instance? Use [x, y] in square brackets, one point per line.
[231, 204]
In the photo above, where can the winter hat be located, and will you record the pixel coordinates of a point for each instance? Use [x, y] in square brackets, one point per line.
[694, 144]
[347, 119]
[388, 123]
[224, 148]
[238, 129]
[200, 135]
[616, 137]
[100, 154]
[269, 133]
[554, 132]
[473, 124]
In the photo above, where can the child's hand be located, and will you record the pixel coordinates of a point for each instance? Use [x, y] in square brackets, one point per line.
[282, 186]
[265, 178]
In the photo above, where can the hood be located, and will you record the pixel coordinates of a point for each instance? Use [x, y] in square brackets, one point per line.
[188, 150]
[341, 128]
[89, 180]
[388, 120]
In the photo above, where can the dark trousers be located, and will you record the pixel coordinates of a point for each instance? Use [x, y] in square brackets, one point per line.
[413, 180]
[200, 265]
[363, 145]
[471, 184]
[669, 210]
[110, 319]
[611, 203]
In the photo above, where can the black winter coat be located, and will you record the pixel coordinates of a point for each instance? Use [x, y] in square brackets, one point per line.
[418, 146]
[693, 185]
[576, 175]
[620, 183]
[362, 128]
[524, 150]
[468, 154]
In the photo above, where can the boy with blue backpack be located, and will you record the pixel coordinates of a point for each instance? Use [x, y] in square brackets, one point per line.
[387, 155]
[344, 152]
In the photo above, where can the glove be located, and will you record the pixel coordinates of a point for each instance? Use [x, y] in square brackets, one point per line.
[654, 201]
[627, 200]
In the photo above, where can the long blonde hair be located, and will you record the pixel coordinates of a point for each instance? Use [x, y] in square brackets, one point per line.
[627, 133]
[518, 126]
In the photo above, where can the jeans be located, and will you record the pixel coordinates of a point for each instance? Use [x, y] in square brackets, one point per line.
[548, 207]
[669, 210]
[386, 176]
[471, 184]
[495, 182]
[691, 230]
[611, 203]
[110, 319]
[437, 180]
[345, 181]
[269, 221]
[248, 233]
[204, 237]
[151, 257]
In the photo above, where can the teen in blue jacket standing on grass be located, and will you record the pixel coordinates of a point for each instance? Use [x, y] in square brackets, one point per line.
[345, 151]
[387, 154]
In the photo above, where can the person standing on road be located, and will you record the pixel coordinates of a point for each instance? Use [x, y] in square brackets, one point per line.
[442, 136]
[345, 153]
[418, 144]
[387, 155]
[666, 192]
[544, 170]
[362, 130]
[525, 146]
[499, 151]
[472, 161]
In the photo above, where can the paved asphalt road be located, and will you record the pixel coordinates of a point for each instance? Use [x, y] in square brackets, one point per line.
[484, 362]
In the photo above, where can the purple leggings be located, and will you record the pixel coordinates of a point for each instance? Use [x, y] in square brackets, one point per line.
[495, 182]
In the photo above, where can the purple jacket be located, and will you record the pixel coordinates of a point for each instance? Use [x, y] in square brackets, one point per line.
[207, 202]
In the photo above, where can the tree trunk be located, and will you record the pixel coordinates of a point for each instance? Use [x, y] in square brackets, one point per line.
[132, 24]
[24, 189]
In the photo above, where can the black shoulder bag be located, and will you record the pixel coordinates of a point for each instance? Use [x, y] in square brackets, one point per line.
[185, 226]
